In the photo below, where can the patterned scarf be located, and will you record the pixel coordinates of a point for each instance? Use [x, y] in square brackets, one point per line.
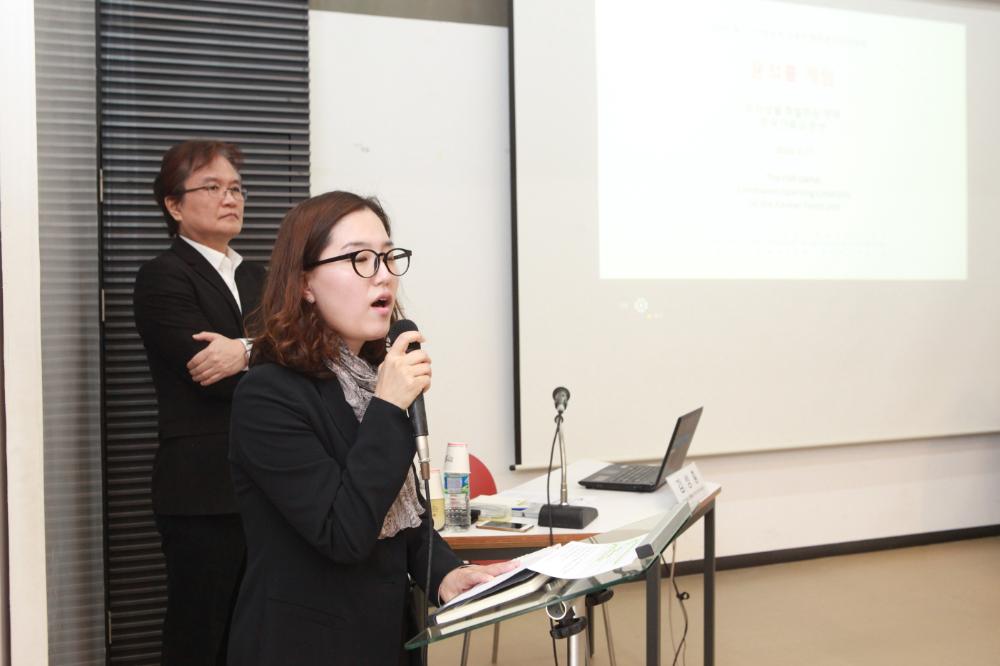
[357, 379]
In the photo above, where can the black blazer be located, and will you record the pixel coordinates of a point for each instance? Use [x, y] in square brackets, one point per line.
[178, 294]
[313, 487]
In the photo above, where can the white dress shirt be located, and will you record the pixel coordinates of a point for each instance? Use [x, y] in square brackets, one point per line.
[224, 264]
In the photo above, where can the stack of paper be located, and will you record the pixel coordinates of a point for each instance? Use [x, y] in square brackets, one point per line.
[562, 561]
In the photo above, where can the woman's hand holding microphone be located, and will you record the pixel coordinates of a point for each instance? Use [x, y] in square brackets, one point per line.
[403, 376]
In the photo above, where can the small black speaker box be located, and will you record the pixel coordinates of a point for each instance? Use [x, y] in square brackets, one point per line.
[566, 515]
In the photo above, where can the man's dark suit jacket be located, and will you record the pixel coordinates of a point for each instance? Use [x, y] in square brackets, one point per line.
[178, 294]
[313, 487]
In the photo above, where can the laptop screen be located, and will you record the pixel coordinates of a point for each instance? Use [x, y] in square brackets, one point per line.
[680, 441]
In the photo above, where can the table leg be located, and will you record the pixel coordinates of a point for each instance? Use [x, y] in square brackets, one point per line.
[653, 579]
[465, 649]
[709, 580]
[590, 630]
[607, 630]
[577, 653]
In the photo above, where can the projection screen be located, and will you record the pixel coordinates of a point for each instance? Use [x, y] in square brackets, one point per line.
[786, 212]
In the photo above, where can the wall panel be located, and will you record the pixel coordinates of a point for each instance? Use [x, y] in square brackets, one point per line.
[233, 70]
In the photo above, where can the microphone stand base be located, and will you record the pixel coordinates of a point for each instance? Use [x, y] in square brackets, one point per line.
[569, 516]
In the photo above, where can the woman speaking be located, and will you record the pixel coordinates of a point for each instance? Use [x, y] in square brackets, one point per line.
[321, 452]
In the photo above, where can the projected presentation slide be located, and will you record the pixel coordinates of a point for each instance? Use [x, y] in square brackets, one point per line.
[771, 140]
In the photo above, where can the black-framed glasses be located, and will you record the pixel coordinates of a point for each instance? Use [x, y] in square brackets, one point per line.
[217, 191]
[366, 262]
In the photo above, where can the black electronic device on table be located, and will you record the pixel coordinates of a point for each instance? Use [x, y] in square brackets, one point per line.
[647, 478]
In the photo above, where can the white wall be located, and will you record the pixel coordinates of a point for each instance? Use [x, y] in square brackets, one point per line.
[22, 337]
[416, 112]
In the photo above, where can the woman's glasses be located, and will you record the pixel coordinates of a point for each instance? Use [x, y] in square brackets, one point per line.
[366, 262]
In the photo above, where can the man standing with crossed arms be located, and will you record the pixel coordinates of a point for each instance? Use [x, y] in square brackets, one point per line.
[191, 306]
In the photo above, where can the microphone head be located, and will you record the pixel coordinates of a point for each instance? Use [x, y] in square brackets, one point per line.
[400, 326]
[561, 396]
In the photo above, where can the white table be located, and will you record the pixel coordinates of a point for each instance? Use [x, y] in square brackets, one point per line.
[615, 509]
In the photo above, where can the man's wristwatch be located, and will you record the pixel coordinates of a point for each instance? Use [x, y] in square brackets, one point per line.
[247, 347]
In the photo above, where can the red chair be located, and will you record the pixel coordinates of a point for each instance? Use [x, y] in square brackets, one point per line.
[480, 478]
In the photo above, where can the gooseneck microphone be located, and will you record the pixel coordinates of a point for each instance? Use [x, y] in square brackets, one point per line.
[562, 514]
[561, 396]
[417, 412]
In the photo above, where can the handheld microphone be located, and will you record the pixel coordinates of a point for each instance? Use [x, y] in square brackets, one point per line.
[418, 420]
[561, 397]
[417, 412]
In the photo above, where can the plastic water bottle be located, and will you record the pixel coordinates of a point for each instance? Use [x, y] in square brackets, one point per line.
[437, 498]
[456, 487]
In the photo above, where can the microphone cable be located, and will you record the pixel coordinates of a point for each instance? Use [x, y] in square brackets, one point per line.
[548, 477]
[681, 598]
[430, 550]
[548, 503]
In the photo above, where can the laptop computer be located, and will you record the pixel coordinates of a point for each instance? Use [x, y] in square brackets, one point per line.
[647, 478]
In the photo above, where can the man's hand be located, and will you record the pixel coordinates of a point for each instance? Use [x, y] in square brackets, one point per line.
[223, 357]
[461, 579]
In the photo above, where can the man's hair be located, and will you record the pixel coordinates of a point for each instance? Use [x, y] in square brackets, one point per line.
[180, 162]
[289, 330]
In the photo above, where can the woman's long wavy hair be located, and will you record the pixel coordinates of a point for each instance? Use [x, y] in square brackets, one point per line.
[288, 330]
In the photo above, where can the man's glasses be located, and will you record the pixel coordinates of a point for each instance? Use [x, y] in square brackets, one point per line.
[366, 262]
[219, 192]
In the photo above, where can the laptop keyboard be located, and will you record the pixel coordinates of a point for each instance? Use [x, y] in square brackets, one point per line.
[636, 475]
